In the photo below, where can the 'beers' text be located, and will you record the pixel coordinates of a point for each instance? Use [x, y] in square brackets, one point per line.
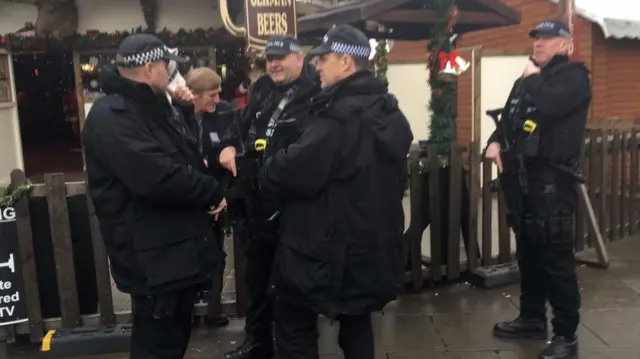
[271, 16]
[272, 23]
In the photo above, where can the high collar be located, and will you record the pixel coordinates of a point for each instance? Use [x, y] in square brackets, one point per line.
[360, 83]
[555, 61]
[112, 82]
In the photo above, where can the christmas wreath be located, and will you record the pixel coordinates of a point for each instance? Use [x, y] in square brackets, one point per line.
[442, 71]
[13, 194]
[96, 40]
[380, 60]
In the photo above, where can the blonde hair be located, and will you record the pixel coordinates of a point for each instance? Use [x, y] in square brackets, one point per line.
[203, 79]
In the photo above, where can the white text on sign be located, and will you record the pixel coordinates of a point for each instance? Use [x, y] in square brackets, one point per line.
[11, 264]
[7, 214]
[7, 299]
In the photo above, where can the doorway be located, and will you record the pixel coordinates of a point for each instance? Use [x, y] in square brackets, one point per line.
[47, 110]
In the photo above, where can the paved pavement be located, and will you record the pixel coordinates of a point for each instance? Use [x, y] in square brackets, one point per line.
[454, 322]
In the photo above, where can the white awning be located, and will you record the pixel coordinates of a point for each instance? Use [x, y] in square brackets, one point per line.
[617, 18]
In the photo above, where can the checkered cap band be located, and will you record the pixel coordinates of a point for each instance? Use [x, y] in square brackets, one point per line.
[565, 33]
[279, 44]
[353, 50]
[143, 58]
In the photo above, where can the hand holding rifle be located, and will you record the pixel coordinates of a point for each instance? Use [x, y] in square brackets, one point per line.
[493, 153]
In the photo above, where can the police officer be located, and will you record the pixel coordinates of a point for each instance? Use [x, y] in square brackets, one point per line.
[340, 186]
[151, 193]
[546, 112]
[209, 125]
[276, 112]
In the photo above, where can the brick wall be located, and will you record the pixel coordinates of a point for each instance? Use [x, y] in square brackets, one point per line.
[404, 52]
[615, 76]
[615, 64]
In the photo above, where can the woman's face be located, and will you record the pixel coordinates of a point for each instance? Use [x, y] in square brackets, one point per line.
[206, 101]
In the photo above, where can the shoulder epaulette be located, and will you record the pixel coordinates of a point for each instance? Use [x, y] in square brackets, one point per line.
[116, 103]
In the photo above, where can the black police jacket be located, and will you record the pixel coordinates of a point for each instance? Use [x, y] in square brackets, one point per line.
[250, 124]
[340, 187]
[265, 97]
[558, 100]
[214, 126]
[147, 181]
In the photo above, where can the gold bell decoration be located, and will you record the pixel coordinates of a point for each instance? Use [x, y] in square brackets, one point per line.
[451, 65]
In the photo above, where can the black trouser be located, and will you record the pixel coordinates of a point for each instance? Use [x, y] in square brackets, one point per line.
[546, 256]
[260, 252]
[214, 297]
[297, 333]
[162, 325]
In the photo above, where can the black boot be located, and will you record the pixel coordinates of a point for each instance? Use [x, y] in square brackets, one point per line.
[252, 348]
[521, 329]
[561, 348]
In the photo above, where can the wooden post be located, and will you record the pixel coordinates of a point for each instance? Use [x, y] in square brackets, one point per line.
[634, 188]
[77, 74]
[476, 58]
[562, 8]
[101, 263]
[487, 214]
[601, 250]
[62, 249]
[434, 209]
[455, 201]
[474, 195]
[567, 11]
[475, 159]
[28, 265]
[412, 247]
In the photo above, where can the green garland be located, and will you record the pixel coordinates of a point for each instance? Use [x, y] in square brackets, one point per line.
[380, 60]
[13, 194]
[442, 129]
[95, 40]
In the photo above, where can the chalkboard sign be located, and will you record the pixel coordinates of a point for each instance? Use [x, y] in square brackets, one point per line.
[13, 307]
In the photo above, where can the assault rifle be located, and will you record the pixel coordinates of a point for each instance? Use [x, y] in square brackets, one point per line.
[513, 179]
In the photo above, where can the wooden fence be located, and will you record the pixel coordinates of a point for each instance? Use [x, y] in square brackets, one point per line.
[611, 167]
[451, 204]
[58, 194]
[626, 124]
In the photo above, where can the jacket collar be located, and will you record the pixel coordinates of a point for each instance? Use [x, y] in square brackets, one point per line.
[361, 83]
[113, 83]
[555, 61]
